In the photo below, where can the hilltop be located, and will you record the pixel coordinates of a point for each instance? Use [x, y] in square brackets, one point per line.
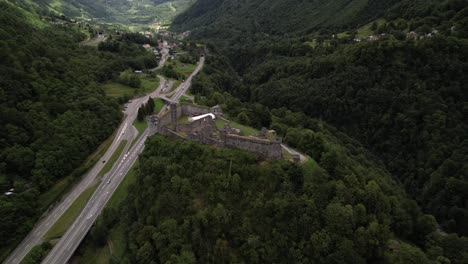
[389, 74]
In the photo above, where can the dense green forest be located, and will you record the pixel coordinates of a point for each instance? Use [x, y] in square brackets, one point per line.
[404, 98]
[53, 112]
[199, 204]
[226, 19]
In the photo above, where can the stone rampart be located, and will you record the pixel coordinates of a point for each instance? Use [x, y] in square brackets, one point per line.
[264, 147]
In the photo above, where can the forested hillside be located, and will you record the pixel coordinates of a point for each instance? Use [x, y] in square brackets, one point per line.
[53, 113]
[198, 204]
[221, 18]
[399, 88]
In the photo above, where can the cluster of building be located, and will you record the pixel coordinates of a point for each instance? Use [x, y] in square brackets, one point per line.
[415, 36]
[371, 38]
[196, 123]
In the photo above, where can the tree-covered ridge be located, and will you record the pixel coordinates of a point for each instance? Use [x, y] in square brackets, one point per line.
[404, 100]
[198, 204]
[222, 17]
[402, 95]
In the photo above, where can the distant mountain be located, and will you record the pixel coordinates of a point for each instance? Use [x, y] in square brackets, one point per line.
[122, 11]
[280, 16]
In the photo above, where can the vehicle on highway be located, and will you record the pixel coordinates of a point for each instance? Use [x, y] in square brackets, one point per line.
[108, 181]
[103, 161]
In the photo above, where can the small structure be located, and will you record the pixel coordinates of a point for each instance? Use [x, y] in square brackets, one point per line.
[10, 192]
[195, 118]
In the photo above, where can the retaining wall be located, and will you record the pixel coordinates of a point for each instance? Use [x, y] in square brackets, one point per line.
[263, 147]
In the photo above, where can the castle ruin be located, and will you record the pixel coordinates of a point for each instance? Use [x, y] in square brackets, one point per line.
[174, 123]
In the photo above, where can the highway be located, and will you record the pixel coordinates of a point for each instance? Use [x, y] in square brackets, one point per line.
[183, 87]
[126, 131]
[69, 242]
[67, 245]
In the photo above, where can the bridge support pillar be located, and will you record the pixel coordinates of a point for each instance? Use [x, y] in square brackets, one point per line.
[173, 109]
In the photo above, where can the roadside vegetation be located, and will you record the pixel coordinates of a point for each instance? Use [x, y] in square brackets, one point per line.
[70, 215]
[114, 246]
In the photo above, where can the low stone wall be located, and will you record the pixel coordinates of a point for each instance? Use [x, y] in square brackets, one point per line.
[263, 147]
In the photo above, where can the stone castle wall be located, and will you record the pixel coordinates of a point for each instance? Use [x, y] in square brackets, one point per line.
[205, 125]
[263, 147]
[182, 110]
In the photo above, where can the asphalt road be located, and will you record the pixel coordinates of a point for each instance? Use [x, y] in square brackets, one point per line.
[69, 242]
[183, 87]
[126, 131]
[164, 57]
[67, 245]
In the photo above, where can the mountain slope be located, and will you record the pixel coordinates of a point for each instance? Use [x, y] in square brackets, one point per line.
[400, 89]
[279, 16]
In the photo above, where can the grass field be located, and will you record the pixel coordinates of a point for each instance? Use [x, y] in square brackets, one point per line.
[113, 159]
[121, 192]
[69, 216]
[247, 131]
[140, 126]
[184, 69]
[158, 105]
[176, 84]
[363, 31]
[116, 90]
[149, 84]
